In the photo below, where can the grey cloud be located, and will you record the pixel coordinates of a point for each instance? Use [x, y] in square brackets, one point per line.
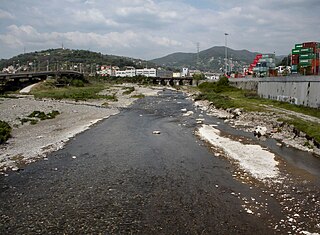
[153, 28]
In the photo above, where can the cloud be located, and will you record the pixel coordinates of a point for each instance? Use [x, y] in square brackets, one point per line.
[6, 15]
[154, 28]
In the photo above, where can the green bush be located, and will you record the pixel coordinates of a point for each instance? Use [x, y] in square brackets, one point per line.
[77, 83]
[5, 131]
[128, 91]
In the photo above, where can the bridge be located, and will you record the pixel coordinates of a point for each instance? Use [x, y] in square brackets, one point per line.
[173, 81]
[18, 80]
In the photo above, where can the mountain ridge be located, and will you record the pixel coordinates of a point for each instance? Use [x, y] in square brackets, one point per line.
[210, 59]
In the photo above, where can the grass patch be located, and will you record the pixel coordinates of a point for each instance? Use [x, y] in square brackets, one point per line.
[311, 129]
[87, 92]
[5, 131]
[128, 91]
[43, 116]
[35, 116]
[139, 96]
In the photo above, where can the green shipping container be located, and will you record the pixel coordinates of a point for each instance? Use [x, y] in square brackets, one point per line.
[306, 50]
[298, 46]
[295, 51]
[308, 56]
[264, 56]
[294, 67]
[305, 62]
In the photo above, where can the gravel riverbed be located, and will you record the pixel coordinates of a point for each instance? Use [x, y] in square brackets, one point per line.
[31, 142]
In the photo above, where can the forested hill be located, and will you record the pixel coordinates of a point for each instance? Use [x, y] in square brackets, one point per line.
[210, 59]
[64, 58]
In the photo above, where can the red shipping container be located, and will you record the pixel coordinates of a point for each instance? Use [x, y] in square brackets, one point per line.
[295, 56]
[309, 44]
[295, 62]
[259, 56]
[315, 62]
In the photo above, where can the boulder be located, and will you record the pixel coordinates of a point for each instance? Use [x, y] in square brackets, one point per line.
[260, 131]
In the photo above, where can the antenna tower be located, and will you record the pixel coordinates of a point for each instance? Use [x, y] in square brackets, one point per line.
[198, 51]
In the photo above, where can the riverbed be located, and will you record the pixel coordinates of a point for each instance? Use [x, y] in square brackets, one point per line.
[163, 165]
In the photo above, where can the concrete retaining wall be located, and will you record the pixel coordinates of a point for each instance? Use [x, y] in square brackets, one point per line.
[300, 90]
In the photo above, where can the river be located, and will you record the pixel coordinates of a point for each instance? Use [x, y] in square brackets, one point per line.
[121, 177]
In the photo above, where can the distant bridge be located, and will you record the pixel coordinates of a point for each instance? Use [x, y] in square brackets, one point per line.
[173, 81]
[18, 80]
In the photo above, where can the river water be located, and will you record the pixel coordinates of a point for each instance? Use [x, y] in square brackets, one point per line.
[121, 178]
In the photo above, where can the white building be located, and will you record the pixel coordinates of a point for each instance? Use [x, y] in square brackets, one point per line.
[147, 72]
[185, 72]
[176, 75]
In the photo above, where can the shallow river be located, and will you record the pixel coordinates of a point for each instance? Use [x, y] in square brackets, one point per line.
[120, 178]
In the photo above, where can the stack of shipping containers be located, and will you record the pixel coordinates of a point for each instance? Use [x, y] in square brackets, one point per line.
[306, 57]
[262, 65]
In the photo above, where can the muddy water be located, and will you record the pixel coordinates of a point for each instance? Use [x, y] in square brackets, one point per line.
[120, 178]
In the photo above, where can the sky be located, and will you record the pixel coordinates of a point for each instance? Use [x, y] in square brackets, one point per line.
[149, 29]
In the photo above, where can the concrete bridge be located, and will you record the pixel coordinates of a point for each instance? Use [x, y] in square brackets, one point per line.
[18, 80]
[173, 81]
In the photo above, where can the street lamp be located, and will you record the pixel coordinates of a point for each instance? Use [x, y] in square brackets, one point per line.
[226, 53]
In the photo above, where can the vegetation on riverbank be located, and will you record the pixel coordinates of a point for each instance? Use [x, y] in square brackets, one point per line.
[74, 91]
[224, 96]
[35, 116]
[5, 131]
[128, 90]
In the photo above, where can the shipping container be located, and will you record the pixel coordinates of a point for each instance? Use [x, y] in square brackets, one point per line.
[262, 60]
[295, 51]
[294, 56]
[294, 67]
[307, 50]
[268, 56]
[298, 46]
[295, 61]
[309, 44]
[305, 60]
[263, 64]
[315, 62]
[308, 56]
[263, 69]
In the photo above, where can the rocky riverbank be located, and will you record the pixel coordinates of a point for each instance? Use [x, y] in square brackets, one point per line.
[30, 142]
[266, 124]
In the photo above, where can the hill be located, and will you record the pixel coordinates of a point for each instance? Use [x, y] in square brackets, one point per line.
[66, 59]
[210, 59]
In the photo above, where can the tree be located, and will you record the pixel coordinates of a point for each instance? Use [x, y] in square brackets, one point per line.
[198, 77]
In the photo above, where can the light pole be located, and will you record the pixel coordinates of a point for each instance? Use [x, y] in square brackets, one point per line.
[226, 53]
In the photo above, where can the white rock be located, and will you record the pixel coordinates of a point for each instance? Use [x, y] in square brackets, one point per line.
[189, 113]
[260, 131]
[15, 169]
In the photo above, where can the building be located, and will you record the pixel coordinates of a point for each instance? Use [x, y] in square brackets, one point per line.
[146, 72]
[185, 72]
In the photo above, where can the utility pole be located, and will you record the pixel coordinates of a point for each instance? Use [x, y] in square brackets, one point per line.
[226, 53]
[198, 56]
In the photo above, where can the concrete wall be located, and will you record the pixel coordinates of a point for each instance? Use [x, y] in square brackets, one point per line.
[245, 83]
[300, 90]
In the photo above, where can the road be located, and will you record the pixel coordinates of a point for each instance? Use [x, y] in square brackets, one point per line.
[120, 178]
